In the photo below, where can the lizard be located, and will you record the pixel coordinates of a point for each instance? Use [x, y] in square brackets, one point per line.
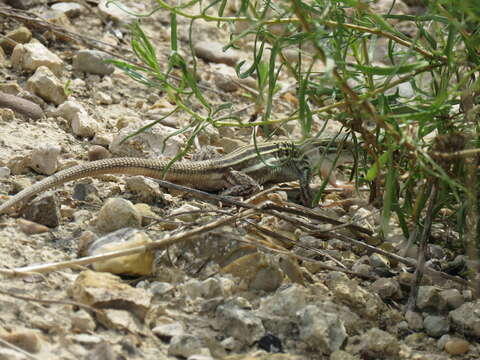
[270, 162]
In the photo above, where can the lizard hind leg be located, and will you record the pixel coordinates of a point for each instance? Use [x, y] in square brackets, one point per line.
[240, 183]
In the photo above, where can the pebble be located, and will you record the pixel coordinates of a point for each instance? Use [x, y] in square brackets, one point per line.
[453, 298]
[286, 301]
[102, 139]
[44, 209]
[117, 213]
[161, 289]
[108, 291]
[82, 124]
[4, 171]
[21, 106]
[85, 192]
[467, 318]
[82, 321]
[456, 346]
[258, 271]
[429, 299]
[213, 51]
[321, 330]
[145, 189]
[102, 98]
[207, 289]
[44, 159]
[387, 288]
[97, 152]
[20, 35]
[28, 340]
[167, 328]
[436, 326]
[33, 55]
[93, 62]
[374, 344]
[140, 264]
[31, 228]
[240, 323]
[186, 346]
[46, 85]
[415, 320]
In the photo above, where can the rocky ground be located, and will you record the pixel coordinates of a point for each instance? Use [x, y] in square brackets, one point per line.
[235, 292]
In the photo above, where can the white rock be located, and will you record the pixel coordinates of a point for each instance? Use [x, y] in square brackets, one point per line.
[321, 330]
[45, 84]
[45, 158]
[240, 323]
[82, 124]
[187, 345]
[33, 55]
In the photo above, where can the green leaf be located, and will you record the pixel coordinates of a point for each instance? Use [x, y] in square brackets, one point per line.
[373, 171]
[390, 70]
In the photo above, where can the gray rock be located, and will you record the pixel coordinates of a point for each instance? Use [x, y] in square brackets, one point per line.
[185, 346]
[46, 85]
[374, 344]
[286, 301]
[379, 261]
[147, 190]
[466, 319]
[321, 330]
[44, 209]
[206, 289]
[453, 298]
[387, 288]
[45, 158]
[429, 299]
[168, 330]
[415, 320]
[4, 172]
[93, 62]
[436, 326]
[116, 214]
[240, 323]
[33, 55]
[213, 51]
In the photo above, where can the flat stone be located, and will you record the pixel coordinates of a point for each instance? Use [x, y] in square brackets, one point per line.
[213, 51]
[33, 55]
[46, 85]
[93, 62]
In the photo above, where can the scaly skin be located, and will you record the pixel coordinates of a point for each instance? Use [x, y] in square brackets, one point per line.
[272, 162]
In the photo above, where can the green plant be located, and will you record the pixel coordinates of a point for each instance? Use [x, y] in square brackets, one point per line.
[426, 88]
